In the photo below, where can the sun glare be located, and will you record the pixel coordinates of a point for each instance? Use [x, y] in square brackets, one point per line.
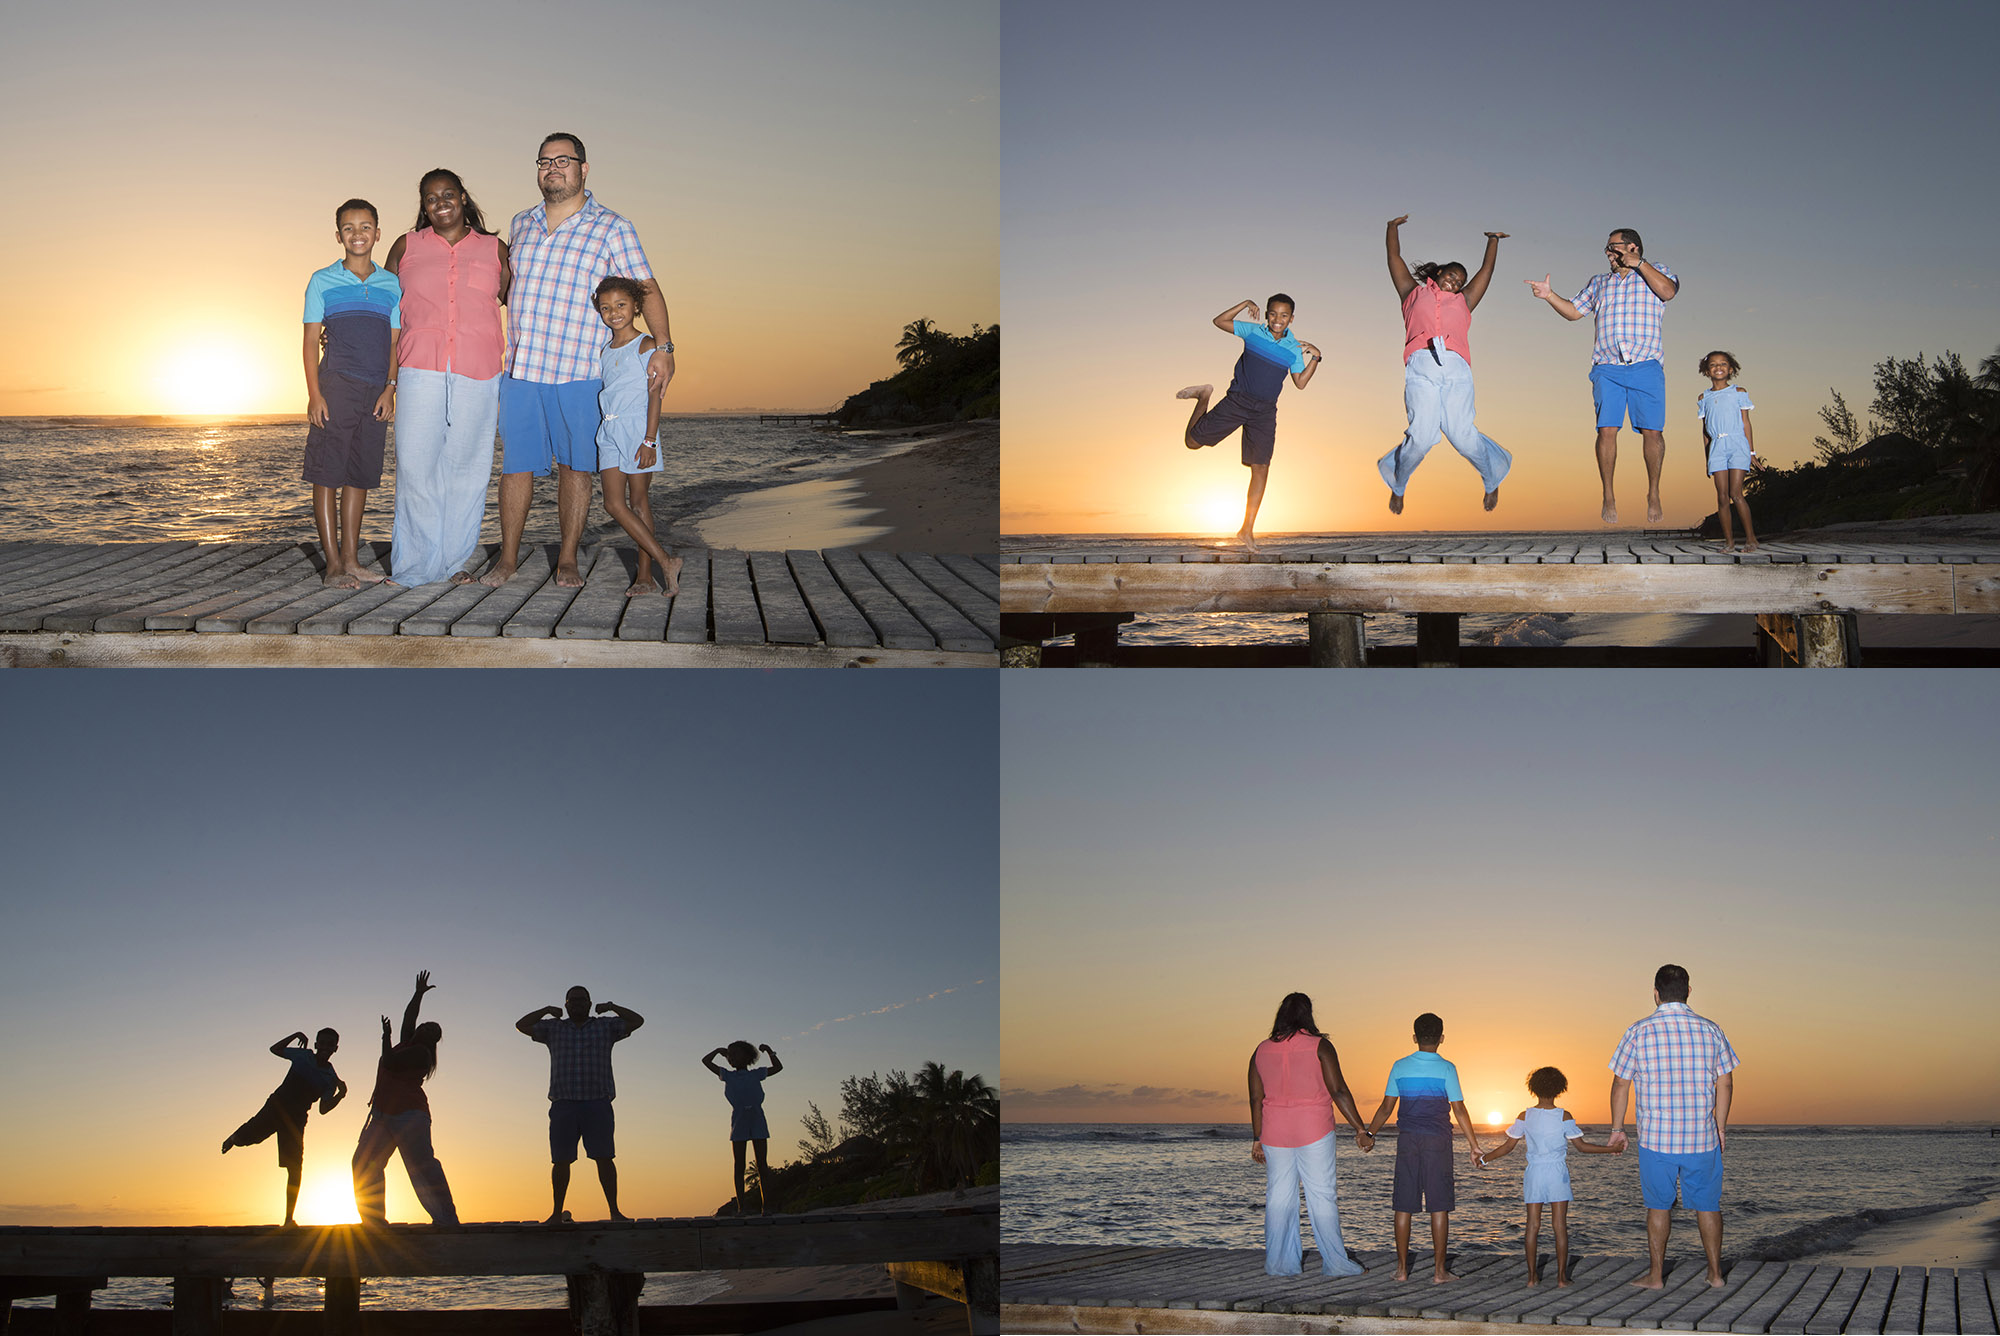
[1493, 1119]
[209, 375]
[1218, 511]
[327, 1200]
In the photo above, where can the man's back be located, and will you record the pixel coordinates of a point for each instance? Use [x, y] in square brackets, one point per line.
[1673, 1057]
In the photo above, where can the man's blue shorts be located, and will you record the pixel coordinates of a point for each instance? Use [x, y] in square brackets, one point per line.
[589, 1119]
[1699, 1176]
[545, 425]
[1642, 386]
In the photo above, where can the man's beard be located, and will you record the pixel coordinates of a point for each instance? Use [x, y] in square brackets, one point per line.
[555, 194]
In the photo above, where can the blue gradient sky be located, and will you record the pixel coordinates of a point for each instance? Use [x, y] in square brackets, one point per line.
[1516, 851]
[1817, 174]
[199, 863]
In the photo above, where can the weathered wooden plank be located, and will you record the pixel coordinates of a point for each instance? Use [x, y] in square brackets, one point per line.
[308, 600]
[1940, 1300]
[218, 564]
[893, 623]
[646, 615]
[76, 604]
[1350, 587]
[990, 560]
[1613, 1287]
[438, 618]
[1641, 1308]
[1760, 1314]
[490, 615]
[386, 618]
[1689, 1315]
[598, 606]
[977, 607]
[182, 611]
[1906, 1305]
[946, 624]
[1584, 1273]
[1798, 1310]
[1871, 1306]
[786, 621]
[1723, 1316]
[687, 624]
[974, 572]
[1469, 1270]
[1975, 1301]
[537, 617]
[734, 599]
[1560, 1306]
[24, 610]
[840, 622]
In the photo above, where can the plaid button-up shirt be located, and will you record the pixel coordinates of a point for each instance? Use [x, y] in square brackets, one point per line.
[553, 331]
[580, 1055]
[1628, 315]
[1673, 1057]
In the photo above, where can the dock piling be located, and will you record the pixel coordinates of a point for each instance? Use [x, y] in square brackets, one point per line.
[1336, 640]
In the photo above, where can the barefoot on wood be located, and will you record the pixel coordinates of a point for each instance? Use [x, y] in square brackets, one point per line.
[500, 574]
[339, 579]
[567, 577]
[462, 578]
[367, 576]
[1249, 543]
[1648, 1283]
[1442, 1276]
[672, 570]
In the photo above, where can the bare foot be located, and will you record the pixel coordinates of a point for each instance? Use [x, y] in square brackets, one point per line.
[1729, 547]
[501, 573]
[1442, 1276]
[1751, 548]
[1493, 498]
[1649, 1283]
[1395, 504]
[366, 576]
[1402, 1273]
[1196, 392]
[1533, 1280]
[1653, 511]
[1609, 513]
[639, 588]
[1563, 1283]
[338, 579]
[566, 576]
[1715, 1282]
[559, 1218]
[1249, 542]
[672, 570]
[620, 1215]
[462, 578]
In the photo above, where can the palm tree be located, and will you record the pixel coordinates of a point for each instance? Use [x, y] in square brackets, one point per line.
[951, 1122]
[920, 342]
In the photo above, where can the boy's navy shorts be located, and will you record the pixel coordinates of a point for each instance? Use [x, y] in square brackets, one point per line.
[347, 451]
[1423, 1175]
[1257, 417]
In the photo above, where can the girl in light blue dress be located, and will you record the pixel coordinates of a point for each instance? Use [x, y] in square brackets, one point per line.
[1725, 431]
[743, 1086]
[628, 445]
[1547, 1131]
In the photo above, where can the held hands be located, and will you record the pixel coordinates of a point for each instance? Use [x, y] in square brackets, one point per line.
[1364, 1139]
[1616, 1139]
[385, 405]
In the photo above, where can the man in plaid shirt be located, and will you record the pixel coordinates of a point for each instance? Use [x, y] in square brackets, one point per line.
[1625, 367]
[580, 1087]
[559, 251]
[1681, 1064]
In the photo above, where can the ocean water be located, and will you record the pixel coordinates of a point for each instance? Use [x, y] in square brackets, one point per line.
[404, 1293]
[1787, 1191]
[109, 479]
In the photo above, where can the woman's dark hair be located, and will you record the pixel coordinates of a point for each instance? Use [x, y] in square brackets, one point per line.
[630, 288]
[1735, 367]
[1546, 1083]
[1429, 270]
[742, 1052]
[424, 1041]
[1295, 1016]
[473, 218]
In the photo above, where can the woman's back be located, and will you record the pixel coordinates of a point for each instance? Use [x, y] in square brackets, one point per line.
[1297, 1108]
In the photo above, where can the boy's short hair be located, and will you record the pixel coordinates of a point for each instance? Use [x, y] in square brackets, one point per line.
[1735, 367]
[615, 283]
[1546, 1083]
[1671, 983]
[742, 1052]
[328, 1033]
[351, 206]
[1278, 297]
[1429, 1028]
[575, 143]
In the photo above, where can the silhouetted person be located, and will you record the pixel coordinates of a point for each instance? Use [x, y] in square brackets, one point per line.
[744, 1088]
[311, 1078]
[580, 1087]
[399, 1119]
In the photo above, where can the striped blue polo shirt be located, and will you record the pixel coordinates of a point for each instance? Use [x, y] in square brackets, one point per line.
[1427, 1085]
[358, 314]
[1261, 370]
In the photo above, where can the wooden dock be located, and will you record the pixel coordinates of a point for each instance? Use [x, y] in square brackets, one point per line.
[950, 1251]
[812, 419]
[1080, 1288]
[1805, 594]
[227, 604]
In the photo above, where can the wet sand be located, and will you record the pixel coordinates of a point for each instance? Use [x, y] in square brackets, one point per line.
[1963, 1236]
[941, 493]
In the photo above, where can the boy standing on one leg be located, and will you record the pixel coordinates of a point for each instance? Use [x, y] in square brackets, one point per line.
[284, 1114]
[1427, 1085]
[1270, 352]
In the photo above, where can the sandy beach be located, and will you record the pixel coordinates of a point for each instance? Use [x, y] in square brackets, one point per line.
[1960, 1236]
[939, 492]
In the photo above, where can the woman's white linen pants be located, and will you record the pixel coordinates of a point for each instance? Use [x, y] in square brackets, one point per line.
[1287, 1169]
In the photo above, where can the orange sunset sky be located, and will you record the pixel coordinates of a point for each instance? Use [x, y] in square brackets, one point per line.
[806, 180]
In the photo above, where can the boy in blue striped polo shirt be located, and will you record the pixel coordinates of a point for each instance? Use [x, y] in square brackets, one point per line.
[350, 387]
[1270, 352]
[1427, 1086]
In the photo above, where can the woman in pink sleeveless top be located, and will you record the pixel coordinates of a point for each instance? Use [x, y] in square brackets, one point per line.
[454, 276]
[1295, 1085]
[1437, 368]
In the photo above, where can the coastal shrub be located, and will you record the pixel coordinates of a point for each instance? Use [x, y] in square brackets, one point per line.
[954, 379]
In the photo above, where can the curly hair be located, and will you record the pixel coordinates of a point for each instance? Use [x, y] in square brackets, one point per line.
[1735, 367]
[615, 283]
[1546, 1083]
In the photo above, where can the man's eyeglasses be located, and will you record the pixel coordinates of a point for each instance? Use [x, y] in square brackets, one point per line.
[560, 163]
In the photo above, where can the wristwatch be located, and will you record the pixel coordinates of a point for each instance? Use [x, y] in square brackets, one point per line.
[665, 346]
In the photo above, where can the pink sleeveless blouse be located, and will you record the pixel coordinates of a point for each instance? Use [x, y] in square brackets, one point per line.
[451, 304]
[1429, 312]
[1297, 1109]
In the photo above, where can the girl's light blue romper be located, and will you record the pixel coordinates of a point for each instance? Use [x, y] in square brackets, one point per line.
[1548, 1131]
[1722, 413]
[622, 402]
[744, 1088]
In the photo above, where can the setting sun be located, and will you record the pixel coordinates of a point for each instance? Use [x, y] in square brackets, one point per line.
[212, 375]
[1218, 510]
[1495, 1118]
[327, 1199]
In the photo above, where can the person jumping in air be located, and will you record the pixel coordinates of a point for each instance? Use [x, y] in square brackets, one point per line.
[1547, 1131]
[1437, 368]
[744, 1087]
[1270, 352]
[1725, 436]
[311, 1078]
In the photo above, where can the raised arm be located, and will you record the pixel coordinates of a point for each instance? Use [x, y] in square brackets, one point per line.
[1725, 1089]
[385, 1036]
[1300, 378]
[1562, 305]
[1477, 287]
[1256, 1112]
[1226, 322]
[633, 1020]
[1399, 273]
[526, 1025]
[424, 985]
[295, 1037]
[1621, 1092]
[772, 1054]
[333, 1098]
[1343, 1098]
[708, 1060]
